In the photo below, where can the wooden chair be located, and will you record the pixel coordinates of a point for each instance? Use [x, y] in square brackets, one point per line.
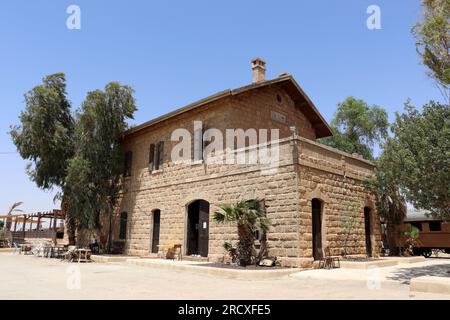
[178, 253]
[329, 261]
[173, 251]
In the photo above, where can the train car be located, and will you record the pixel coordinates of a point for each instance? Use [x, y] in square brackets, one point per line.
[434, 234]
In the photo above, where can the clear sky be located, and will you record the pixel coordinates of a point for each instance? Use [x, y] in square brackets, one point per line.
[176, 52]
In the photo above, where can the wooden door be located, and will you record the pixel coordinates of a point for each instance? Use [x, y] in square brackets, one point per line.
[156, 227]
[367, 230]
[317, 229]
[203, 229]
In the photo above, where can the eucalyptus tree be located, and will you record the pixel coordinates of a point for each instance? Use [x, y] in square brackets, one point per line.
[94, 173]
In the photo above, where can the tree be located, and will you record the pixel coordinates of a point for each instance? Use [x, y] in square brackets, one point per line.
[249, 217]
[390, 203]
[94, 173]
[45, 136]
[433, 41]
[357, 127]
[420, 156]
[82, 156]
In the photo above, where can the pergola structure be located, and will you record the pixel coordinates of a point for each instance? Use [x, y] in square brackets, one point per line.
[30, 225]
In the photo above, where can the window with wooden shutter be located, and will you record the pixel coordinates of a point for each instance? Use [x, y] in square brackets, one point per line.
[198, 144]
[160, 155]
[151, 158]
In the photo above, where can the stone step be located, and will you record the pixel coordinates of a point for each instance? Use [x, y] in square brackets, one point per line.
[110, 258]
[368, 264]
[202, 268]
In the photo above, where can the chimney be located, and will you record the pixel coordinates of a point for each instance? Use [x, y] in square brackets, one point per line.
[258, 70]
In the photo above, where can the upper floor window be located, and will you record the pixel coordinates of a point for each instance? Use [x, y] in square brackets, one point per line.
[199, 143]
[128, 163]
[156, 156]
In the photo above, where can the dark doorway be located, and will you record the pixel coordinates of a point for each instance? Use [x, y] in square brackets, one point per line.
[123, 226]
[367, 229]
[317, 228]
[198, 228]
[155, 237]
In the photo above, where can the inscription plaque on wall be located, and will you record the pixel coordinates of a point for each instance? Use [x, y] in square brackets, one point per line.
[278, 116]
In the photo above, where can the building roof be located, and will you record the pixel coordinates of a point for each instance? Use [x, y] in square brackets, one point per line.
[418, 215]
[286, 80]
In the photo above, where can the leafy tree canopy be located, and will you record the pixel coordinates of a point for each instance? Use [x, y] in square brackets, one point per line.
[357, 127]
[95, 171]
[45, 135]
[80, 154]
[433, 40]
[419, 154]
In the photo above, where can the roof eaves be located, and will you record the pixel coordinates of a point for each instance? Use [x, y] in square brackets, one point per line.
[171, 114]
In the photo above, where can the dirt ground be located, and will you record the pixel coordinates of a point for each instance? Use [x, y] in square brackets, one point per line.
[29, 277]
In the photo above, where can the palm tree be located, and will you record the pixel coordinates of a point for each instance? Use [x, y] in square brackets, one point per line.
[249, 216]
[13, 208]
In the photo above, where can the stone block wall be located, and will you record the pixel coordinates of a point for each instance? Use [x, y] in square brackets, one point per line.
[306, 170]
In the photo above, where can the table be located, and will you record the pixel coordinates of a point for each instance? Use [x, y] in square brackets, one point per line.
[83, 255]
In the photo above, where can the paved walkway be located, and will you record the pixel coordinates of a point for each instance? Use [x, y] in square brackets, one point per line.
[29, 277]
[399, 274]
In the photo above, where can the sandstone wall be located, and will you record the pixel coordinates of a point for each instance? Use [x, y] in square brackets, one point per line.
[172, 189]
[336, 178]
[306, 170]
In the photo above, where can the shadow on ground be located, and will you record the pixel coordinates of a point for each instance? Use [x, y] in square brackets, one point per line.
[405, 275]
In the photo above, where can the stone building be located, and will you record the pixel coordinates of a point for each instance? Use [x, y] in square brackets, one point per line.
[312, 193]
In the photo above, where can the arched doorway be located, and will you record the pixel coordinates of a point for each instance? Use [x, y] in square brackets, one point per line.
[155, 233]
[316, 212]
[368, 227]
[197, 230]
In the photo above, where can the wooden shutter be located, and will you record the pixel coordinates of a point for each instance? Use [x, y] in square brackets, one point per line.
[151, 158]
[198, 144]
[160, 154]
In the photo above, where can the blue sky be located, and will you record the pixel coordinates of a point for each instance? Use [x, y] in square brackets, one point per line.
[176, 52]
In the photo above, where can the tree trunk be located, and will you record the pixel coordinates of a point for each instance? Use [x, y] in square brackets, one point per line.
[262, 249]
[69, 221]
[109, 213]
[392, 235]
[245, 245]
[8, 223]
